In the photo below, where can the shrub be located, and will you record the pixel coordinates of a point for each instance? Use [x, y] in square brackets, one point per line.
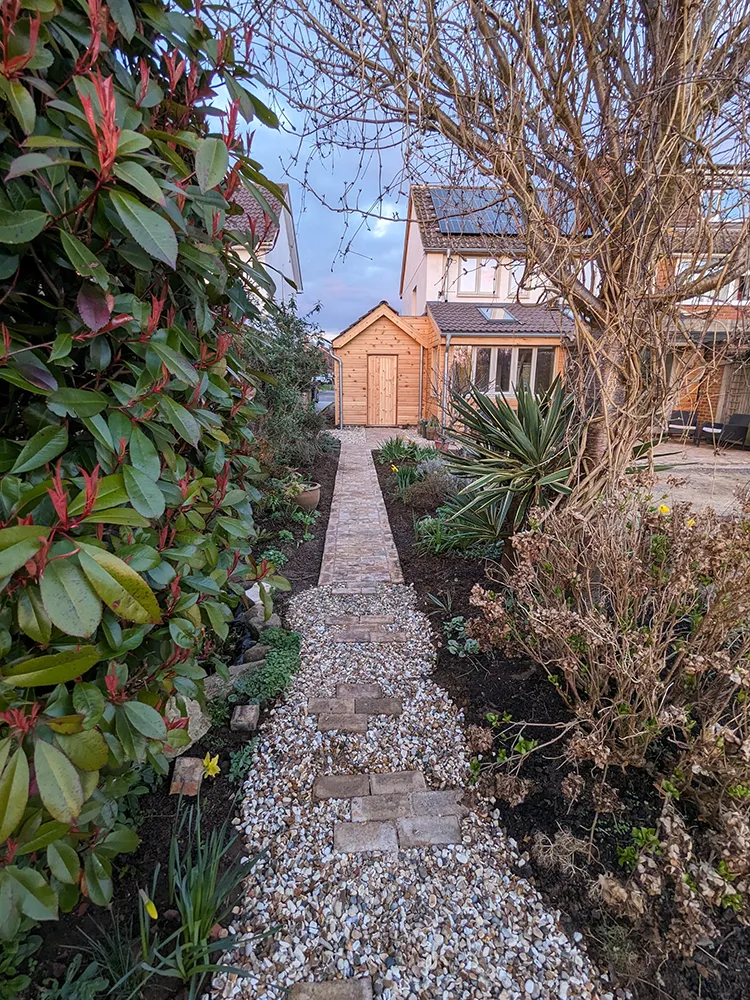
[431, 489]
[640, 618]
[281, 664]
[513, 459]
[126, 498]
[291, 352]
[398, 449]
[241, 762]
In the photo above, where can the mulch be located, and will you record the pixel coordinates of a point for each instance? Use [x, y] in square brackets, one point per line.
[157, 811]
[485, 684]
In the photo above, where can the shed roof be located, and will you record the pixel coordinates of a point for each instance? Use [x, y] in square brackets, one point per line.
[415, 327]
[466, 318]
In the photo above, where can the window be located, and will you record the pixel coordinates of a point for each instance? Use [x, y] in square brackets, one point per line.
[501, 369]
[498, 314]
[477, 275]
[515, 277]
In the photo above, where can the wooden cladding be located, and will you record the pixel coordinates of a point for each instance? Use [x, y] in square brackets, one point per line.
[382, 389]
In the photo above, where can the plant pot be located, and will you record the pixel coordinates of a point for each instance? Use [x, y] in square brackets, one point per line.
[310, 498]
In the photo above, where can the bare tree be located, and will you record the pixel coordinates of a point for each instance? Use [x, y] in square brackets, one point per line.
[615, 131]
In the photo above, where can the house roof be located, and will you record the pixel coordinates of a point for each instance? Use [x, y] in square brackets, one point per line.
[413, 326]
[464, 218]
[254, 218]
[465, 319]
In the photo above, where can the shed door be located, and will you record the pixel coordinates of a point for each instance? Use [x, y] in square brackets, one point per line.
[382, 382]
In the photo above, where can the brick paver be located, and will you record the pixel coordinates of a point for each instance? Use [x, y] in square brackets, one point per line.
[359, 550]
[365, 690]
[352, 838]
[341, 786]
[397, 781]
[186, 776]
[340, 989]
[245, 718]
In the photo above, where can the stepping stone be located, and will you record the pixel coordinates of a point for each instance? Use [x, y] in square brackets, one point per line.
[381, 807]
[445, 803]
[352, 838]
[423, 831]
[330, 706]
[344, 723]
[186, 776]
[378, 706]
[383, 635]
[359, 691]
[245, 718]
[342, 989]
[352, 635]
[397, 781]
[376, 619]
[341, 786]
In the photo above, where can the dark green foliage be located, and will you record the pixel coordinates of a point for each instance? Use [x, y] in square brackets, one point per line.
[274, 677]
[398, 449]
[241, 762]
[291, 354]
[127, 489]
[513, 459]
[14, 955]
[77, 985]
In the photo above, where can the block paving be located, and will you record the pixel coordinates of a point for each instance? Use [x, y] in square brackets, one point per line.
[351, 707]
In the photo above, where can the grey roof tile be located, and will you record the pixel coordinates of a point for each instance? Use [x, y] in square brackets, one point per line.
[465, 317]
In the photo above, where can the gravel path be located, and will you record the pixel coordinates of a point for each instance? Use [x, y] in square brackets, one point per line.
[434, 923]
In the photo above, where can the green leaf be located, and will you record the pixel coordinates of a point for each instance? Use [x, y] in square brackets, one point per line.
[148, 229]
[57, 668]
[98, 880]
[89, 701]
[33, 620]
[143, 454]
[45, 445]
[26, 163]
[211, 163]
[145, 720]
[22, 105]
[144, 494]
[16, 556]
[14, 793]
[182, 632]
[69, 599]
[47, 834]
[59, 785]
[138, 177]
[120, 587]
[131, 142]
[77, 402]
[38, 898]
[181, 419]
[111, 493]
[122, 15]
[87, 750]
[86, 263]
[61, 347]
[176, 363]
[118, 515]
[120, 841]
[63, 862]
[21, 227]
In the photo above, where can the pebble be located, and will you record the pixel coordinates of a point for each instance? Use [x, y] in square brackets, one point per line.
[426, 923]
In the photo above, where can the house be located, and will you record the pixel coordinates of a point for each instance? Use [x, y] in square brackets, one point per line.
[469, 313]
[275, 242]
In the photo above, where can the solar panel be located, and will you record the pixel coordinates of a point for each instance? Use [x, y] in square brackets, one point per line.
[474, 211]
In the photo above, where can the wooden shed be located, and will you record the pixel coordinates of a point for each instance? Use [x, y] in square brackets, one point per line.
[382, 367]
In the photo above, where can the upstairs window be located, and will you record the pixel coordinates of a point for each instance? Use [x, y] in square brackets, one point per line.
[477, 276]
[501, 369]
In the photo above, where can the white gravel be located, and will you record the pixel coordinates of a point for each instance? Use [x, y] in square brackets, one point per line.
[446, 923]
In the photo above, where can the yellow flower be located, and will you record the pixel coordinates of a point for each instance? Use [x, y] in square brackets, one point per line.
[394, 468]
[663, 509]
[149, 904]
[211, 766]
[691, 522]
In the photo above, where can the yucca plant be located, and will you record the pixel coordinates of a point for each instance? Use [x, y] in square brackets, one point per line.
[513, 459]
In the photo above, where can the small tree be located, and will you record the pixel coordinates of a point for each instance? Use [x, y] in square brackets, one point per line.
[127, 526]
[610, 134]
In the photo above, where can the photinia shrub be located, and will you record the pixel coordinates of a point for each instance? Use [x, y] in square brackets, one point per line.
[126, 525]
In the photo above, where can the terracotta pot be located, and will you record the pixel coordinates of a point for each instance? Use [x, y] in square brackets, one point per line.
[310, 498]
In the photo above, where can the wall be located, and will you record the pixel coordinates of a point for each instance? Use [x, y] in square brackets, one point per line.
[382, 336]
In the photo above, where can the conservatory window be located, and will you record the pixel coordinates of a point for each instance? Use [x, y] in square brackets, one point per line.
[501, 369]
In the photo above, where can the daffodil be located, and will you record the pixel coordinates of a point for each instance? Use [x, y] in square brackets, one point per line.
[149, 904]
[691, 522]
[663, 509]
[394, 468]
[211, 766]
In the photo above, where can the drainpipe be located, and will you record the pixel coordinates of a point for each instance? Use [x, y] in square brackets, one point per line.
[421, 380]
[340, 381]
[445, 377]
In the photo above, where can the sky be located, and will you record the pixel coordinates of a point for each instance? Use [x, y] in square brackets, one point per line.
[348, 263]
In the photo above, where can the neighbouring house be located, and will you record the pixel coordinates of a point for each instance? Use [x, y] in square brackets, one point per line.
[469, 314]
[275, 241]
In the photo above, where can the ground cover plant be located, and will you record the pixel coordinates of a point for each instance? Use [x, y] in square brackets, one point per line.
[126, 500]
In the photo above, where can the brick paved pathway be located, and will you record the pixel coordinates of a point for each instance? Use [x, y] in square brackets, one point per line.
[359, 550]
